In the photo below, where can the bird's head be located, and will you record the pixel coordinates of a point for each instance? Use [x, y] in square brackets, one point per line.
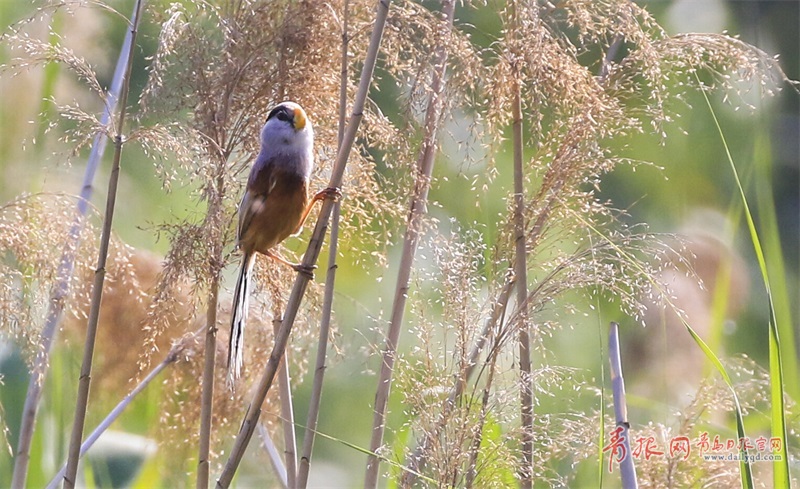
[287, 124]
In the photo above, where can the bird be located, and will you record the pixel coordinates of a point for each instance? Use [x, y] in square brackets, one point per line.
[275, 205]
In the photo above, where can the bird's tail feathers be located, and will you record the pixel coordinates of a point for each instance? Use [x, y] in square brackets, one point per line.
[241, 299]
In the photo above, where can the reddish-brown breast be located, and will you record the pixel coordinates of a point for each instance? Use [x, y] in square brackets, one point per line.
[275, 207]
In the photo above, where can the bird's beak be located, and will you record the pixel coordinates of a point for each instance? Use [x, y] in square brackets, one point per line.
[299, 119]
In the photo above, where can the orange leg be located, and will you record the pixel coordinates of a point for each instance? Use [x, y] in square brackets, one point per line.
[328, 193]
[297, 267]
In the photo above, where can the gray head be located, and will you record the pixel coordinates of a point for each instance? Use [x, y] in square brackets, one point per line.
[288, 132]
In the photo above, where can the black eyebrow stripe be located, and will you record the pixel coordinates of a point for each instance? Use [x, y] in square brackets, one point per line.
[276, 110]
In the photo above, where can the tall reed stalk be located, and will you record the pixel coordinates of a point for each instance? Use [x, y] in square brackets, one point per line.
[521, 264]
[417, 209]
[58, 294]
[99, 277]
[312, 418]
[312, 252]
[330, 281]
[209, 359]
[627, 469]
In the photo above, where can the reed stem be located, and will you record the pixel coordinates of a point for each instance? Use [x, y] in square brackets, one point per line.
[311, 255]
[417, 209]
[58, 294]
[84, 382]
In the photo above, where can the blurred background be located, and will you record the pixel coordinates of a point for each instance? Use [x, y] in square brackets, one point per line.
[689, 190]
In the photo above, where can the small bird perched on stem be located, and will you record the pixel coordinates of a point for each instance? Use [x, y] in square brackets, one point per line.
[274, 206]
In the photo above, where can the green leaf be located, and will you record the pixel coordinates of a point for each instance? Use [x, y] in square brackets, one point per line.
[780, 467]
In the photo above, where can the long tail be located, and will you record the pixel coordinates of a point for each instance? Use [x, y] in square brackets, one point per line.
[241, 298]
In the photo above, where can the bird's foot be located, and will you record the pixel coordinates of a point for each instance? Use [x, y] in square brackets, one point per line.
[306, 270]
[332, 193]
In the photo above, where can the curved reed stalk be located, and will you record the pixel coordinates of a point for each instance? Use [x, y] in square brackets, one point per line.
[115, 413]
[287, 416]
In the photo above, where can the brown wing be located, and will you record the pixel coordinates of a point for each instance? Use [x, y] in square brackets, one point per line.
[261, 182]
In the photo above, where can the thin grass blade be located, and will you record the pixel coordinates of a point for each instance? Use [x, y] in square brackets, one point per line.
[780, 467]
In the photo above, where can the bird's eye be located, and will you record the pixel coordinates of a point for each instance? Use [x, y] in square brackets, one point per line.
[282, 116]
